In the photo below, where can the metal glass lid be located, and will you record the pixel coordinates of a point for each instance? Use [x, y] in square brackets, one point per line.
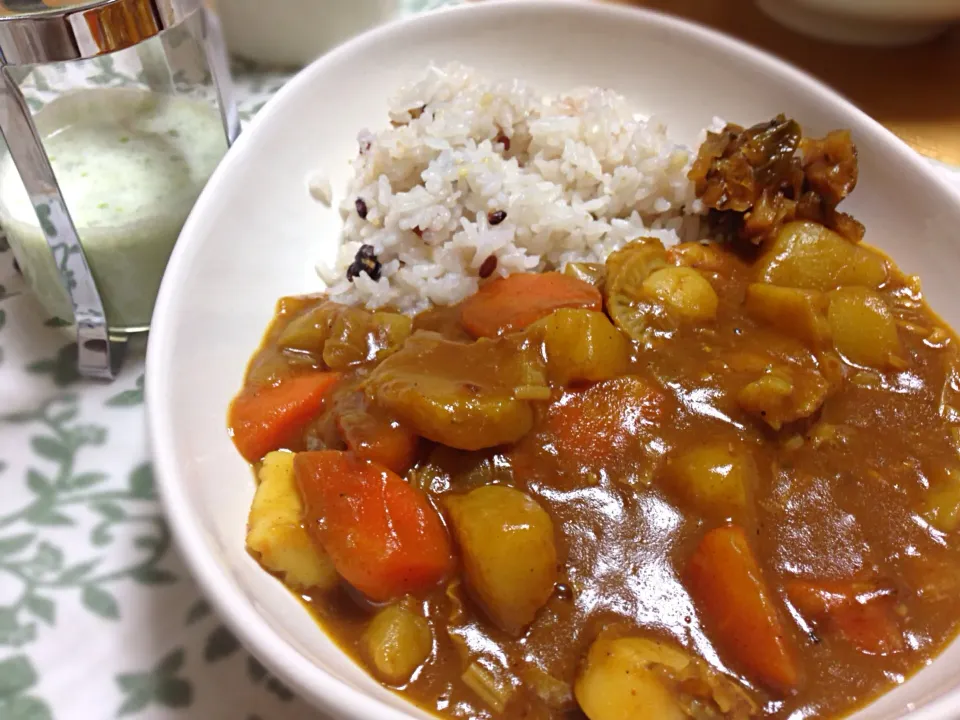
[37, 8]
[41, 31]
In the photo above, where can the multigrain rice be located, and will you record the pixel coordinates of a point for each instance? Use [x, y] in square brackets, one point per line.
[471, 169]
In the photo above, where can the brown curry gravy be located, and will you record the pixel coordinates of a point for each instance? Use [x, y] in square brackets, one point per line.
[841, 495]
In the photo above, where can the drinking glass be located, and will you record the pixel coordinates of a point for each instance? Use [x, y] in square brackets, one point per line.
[114, 114]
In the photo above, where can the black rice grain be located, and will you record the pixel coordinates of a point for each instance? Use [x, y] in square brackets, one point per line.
[488, 266]
[361, 209]
[365, 261]
[496, 217]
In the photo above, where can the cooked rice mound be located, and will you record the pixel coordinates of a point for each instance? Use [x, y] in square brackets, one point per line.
[470, 169]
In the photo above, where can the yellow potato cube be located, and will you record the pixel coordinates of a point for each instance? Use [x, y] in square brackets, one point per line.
[396, 642]
[509, 552]
[275, 534]
[717, 478]
[684, 292]
[792, 311]
[863, 328]
[808, 255]
[581, 345]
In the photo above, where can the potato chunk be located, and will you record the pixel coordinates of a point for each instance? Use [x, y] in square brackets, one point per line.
[863, 328]
[717, 478]
[509, 553]
[358, 336]
[458, 394]
[581, 345]
[636, 678]
[942, 506]
[784, 394]
[684, 292]
[807, 255]
[791, 311]
[308, 331]
[396, 642]
[617, 682]
[275, 534]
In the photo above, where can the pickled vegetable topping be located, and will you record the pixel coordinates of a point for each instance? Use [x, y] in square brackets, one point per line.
[758, 178]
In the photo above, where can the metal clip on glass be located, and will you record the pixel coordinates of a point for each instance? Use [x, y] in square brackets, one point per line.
[34, 32]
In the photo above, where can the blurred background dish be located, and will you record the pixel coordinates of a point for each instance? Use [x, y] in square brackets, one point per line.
[294, 32]
[866, 22]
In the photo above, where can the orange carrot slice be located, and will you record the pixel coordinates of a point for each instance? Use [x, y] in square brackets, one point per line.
[862, 613]
[267, 418]
[382, 534]
[513, 302]
[726, 584]
[595, 430]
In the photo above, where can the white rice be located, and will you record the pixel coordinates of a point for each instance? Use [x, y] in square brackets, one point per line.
[583, 175]
[320, 189]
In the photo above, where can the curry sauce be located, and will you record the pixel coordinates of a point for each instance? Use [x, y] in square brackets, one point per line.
[815, 426]
[715, 480]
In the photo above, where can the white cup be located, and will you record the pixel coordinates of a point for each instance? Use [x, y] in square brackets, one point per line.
[294, 32]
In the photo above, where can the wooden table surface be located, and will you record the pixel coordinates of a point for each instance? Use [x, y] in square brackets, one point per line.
[914, 91]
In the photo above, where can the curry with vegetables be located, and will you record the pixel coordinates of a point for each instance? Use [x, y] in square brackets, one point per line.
[715, 480]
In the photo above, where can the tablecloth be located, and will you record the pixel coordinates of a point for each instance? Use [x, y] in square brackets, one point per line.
[98, 615]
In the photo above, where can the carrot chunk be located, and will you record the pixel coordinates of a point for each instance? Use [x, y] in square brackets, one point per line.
[266, 418]
[382, 534]
[513, 302]
[599, 423]
[726, 584]
[860, 612]
[596, 431]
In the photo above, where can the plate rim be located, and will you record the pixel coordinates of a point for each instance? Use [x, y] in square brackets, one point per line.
[321, 689]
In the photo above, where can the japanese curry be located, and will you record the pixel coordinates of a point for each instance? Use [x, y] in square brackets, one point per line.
[715, 480]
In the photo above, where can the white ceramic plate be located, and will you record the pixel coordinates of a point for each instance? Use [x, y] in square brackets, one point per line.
[255, 235]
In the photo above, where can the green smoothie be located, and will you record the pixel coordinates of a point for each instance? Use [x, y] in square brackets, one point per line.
[130, 164]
